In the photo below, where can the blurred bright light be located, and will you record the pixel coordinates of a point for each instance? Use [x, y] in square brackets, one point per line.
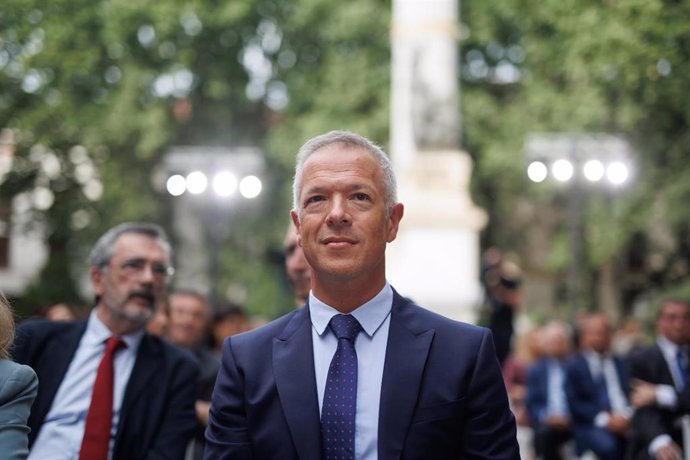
[537, 171]
[224, 184]
[250, 187]
[196, 182]
[594, 170]
[176, 185]
[562, 170]
[617, 173]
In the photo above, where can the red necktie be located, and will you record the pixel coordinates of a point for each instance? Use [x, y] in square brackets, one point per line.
[99, 419]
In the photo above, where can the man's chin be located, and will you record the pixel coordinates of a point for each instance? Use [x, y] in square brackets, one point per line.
[137, 313]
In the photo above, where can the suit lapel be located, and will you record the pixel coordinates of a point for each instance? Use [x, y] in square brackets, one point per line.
[406, 355]
[52, 375]
[146, 367]
[293, 364]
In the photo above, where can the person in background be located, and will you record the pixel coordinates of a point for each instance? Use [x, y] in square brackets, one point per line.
[108, 389]
[158, 324]
[596, 386]
[505, 297]
[189, 316]
[660, 377]
[546, 400]
[296, 266]
[407, 390]
[228, 319]
[18, 387]
[60, 312]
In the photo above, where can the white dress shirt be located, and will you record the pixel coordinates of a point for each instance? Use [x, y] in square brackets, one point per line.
[374, 317]
[63, 428]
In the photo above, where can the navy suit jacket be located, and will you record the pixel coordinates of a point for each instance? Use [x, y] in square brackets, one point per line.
[537, 399]
[157, 417]
[581, 391]
[442, 393]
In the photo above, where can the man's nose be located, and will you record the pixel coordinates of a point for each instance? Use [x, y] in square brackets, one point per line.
[338, 213]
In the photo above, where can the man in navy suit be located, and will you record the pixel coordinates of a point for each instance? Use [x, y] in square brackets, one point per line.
[153, 389]
[659, 376]
[597, 391]
[546, 401]
[426, 386]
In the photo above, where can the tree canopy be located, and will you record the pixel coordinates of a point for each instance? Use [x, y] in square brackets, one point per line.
[93, 93]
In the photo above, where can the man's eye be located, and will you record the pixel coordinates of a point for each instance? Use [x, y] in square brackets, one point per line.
[361, 196]
[314, 199]
[133, 264]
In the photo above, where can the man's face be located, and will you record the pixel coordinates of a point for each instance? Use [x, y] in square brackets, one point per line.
[674, 322]
[596, 334]
[188, 319]
[296, 266]
[343, 227]
[133, 282]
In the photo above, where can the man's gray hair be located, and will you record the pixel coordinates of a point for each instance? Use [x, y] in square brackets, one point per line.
[345, 139]
[103, 250]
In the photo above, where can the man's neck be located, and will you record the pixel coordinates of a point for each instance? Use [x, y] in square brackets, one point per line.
[346, 296]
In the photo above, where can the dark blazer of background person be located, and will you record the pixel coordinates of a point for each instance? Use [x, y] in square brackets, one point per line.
[442, 394]
[18, 386]
[649, 364]
[157, 415]
[582, 394]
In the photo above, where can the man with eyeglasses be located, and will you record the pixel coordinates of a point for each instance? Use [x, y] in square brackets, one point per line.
[661, 385]
[108, 389]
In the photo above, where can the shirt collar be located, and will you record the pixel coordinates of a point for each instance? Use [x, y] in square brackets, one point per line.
[370, 315]
[668, 348]
[97, 333]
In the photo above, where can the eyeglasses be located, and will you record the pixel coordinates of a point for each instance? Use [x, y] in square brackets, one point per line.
[136, 267]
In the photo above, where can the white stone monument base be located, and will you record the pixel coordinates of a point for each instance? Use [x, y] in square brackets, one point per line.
[435, 258]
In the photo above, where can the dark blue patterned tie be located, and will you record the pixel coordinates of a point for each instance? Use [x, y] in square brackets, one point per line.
[682, 369]
[340, 398]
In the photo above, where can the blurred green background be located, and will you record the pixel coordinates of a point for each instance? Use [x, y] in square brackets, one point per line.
[93, 93]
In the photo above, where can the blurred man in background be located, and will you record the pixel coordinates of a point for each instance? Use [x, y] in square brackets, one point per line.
[597, 388]
[546, 400]
[660, 377]
[189, 315]
[296, 266]
[107, 388]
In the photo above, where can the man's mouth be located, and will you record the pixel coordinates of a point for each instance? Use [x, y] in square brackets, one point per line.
[143, 297]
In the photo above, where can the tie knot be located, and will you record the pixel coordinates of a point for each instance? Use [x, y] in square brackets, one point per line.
[345, 327]
[113, 344]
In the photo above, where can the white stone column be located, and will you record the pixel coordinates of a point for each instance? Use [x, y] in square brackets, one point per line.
[435, 260]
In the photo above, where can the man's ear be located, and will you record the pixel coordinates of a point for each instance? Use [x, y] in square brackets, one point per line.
[394, 219]
[296, 223]
[96, 276]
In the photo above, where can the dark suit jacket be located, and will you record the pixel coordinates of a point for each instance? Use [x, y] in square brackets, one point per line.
[157, 416]
[537, 399]
[581, 392]
[442, 393]
[649, 364]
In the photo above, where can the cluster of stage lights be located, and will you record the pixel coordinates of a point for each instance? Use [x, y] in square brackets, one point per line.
[224, 184]
[615, 172]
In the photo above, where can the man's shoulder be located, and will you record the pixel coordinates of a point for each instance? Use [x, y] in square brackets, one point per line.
[423, 319]
[41, 327]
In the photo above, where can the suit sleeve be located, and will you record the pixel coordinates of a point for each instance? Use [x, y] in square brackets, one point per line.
[16, 396]
[534, 399]
[227, 432]
[490, 430]
[179, 420]
[649, 421]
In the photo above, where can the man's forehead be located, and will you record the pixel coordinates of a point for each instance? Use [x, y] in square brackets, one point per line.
[136, 243]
